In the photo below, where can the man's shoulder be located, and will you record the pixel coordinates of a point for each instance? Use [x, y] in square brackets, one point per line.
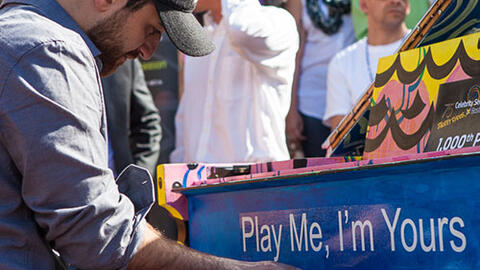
[351, 51]
[348, 57]
[282, 18]
[22, 30]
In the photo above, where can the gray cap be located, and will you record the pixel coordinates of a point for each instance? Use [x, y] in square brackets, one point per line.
[182, 27]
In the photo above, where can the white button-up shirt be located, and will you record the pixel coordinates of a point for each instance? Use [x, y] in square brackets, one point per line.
[236, 99]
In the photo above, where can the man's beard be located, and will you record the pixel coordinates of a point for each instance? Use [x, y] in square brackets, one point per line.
[106, 35]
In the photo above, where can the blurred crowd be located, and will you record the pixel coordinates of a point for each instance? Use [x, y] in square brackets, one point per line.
[284, 73]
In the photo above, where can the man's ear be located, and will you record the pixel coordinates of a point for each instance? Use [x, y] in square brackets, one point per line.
[106, 5]
[408, 8]
[363, 6]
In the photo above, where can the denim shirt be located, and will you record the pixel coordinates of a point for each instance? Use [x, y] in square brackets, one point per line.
[56, 190]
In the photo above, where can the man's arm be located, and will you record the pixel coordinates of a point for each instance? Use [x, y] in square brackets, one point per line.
[294, 122]
[259, 33]
[145, 129]
[158, 252]
[334, 121]
[52, 125]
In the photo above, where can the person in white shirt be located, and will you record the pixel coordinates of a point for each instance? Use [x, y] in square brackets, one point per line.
[352, 70]
[236, 99]
[324, 31]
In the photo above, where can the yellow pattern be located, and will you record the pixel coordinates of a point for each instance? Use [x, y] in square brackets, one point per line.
[441, 53]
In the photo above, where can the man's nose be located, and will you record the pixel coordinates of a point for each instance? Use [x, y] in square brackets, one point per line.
[149, 46]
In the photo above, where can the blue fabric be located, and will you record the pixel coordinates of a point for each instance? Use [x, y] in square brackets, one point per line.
[55, 185]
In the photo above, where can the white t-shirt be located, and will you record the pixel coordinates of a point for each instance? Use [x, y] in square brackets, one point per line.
[236, 99]
[349, 75]
[319, 50]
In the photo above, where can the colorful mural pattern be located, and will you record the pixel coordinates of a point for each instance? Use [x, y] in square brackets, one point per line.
[405, 93]
[461, 17]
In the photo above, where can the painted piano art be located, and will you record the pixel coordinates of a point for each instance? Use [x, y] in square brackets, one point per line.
[406, 96]
[406, 197]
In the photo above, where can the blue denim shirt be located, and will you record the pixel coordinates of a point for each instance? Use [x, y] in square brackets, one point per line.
[56, 190]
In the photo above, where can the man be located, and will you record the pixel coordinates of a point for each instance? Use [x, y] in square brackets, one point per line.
[322, 36]
[235, 100]
[56, 190]
[353, 69]
[417, 10]
[132, 119]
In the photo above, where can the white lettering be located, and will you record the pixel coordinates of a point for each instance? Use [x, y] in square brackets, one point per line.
[463, 104]
[454, 142]
[362, 233]
[266, 238]
[431, 247]
[317, 235]
[340, 230]
[303, 232]
[448, 141]
[441, 222]
[477, 139]
[439, 147]
[457, 234]
[391, 228]
[277, 241]
[462, 141]
[246, 235]
[402, 235]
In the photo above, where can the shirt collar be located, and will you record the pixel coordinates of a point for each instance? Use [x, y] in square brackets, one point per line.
[52, 10]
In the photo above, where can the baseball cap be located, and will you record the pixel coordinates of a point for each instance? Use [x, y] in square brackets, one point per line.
[182, 27]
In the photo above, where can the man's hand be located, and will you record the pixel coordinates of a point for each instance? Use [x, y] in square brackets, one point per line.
[157, 252]
[264, 265]
[294, 129]
[334, 121]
